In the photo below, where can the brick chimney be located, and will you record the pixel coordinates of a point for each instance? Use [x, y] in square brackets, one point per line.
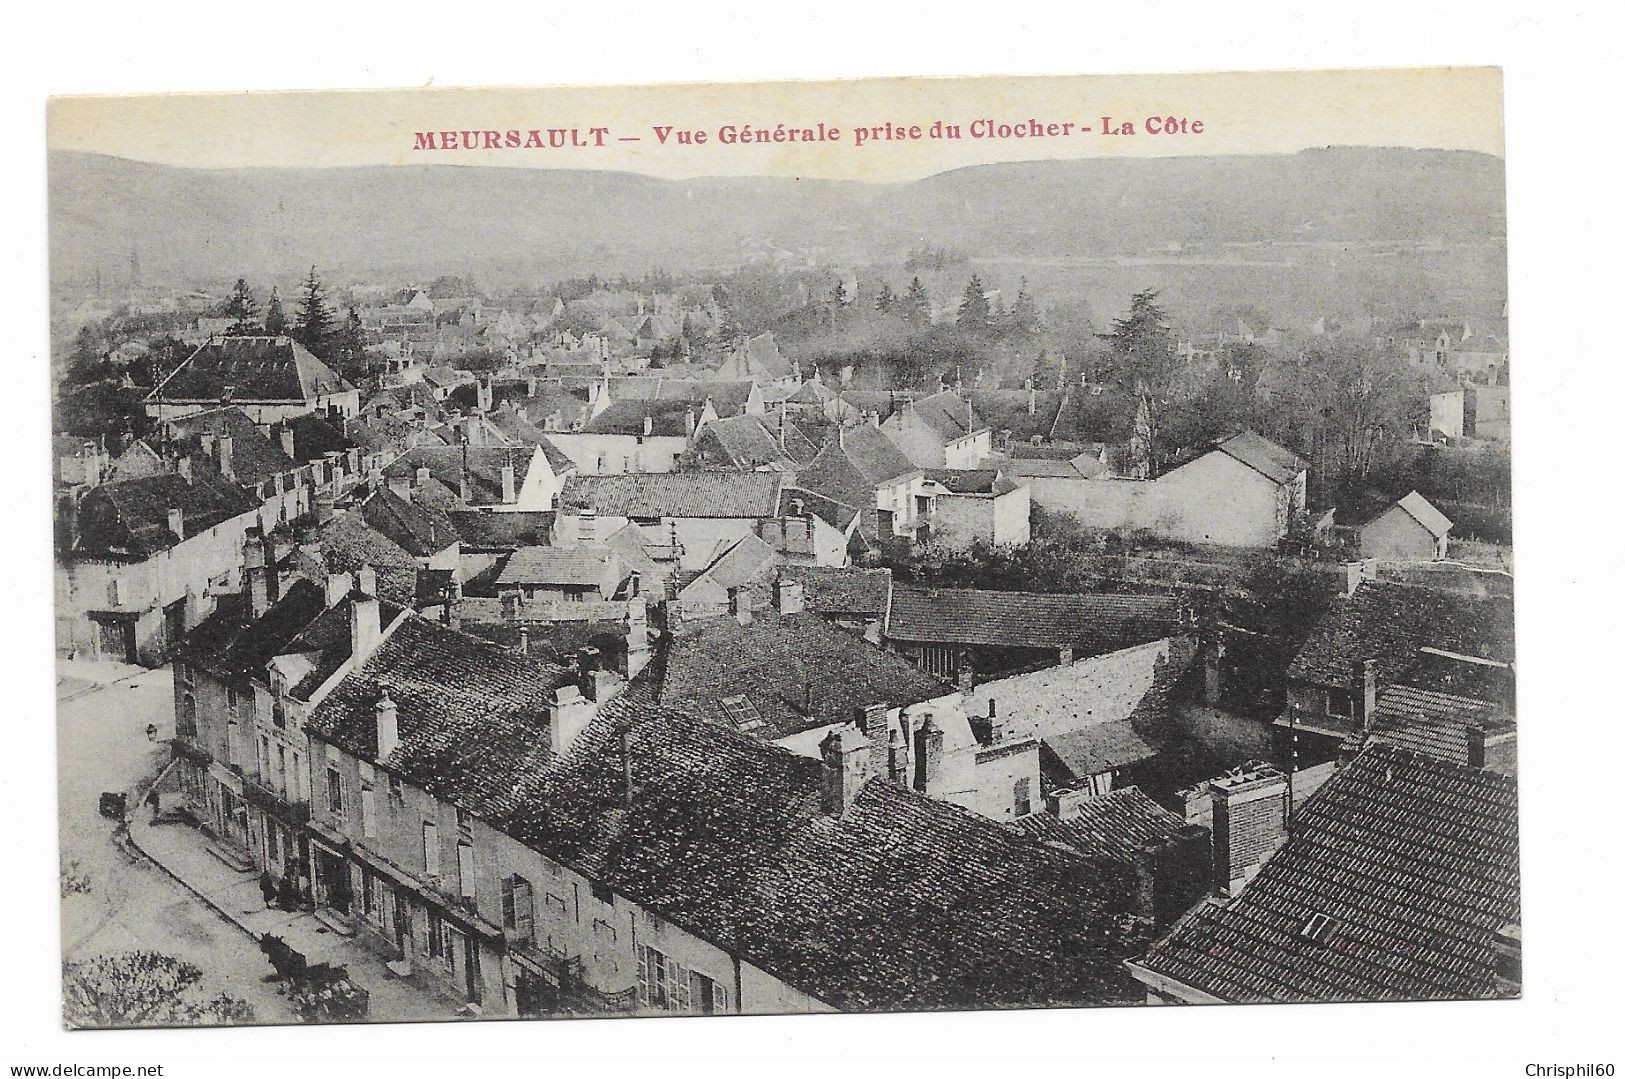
[569, 716]
[927, 754]
[366, 628]
[845, 754]
[256, 574]
[1249, 822]
[1476, 747]
[385, 720]
[871, 720]
[789, 596]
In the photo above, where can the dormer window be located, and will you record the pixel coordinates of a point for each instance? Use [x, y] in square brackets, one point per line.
[1317, 928]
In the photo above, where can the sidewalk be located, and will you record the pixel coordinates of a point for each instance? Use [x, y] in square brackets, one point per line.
[183, 852]
[76, 677]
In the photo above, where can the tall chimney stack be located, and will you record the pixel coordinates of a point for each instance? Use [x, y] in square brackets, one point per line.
[385, 719]
[845, 755]
[1249, 822]
[365, 626]
[1365, 692]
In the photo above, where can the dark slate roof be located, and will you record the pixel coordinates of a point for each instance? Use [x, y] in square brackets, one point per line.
[1092, 623]
[485, 529]
[970, 481]
[472, 715]
[900, 902]
[255, 369]
[854, 592]
[1415, 860]
[254, 458]
[130, 519]
[1390, 622]
[1115, 825]
[676, 494]
[666, 418]
[729, 397]
[231, 643]
[315, 436]
[418, 530]
[798, 671]
[1263, 456]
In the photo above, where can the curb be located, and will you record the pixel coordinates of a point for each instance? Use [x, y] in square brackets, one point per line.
[123, 837]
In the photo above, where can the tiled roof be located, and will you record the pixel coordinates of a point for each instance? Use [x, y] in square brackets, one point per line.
[666, 418]
[503, 530]
[130, 518]
[1099, 747]
[326, 639]
[1390, 622]
[1425, 514]
[948, 415]
[1415, 863]
[1115, 825]
[799, 672]
[900, 902]
[254, 458]
[856, 462]
[584, 564]
[254, 369]
[1430, 722]
[315, 436]
[743, 562]
[231, 643]
[747, 441]
[1092, 623]
[676, 494]
[1263, 456]
[416, 529]
[483, 466]
[852, 591]
[837, 515]
[472, 715]
[728, 397]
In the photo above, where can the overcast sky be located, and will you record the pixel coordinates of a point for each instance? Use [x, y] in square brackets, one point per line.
[1253, 112]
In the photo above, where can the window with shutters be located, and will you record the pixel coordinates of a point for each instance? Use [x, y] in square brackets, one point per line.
[335, 792]
[465, 871]
[666, 985]
[518, 913]
[431, 849]
[369, 811]
[1024, 801]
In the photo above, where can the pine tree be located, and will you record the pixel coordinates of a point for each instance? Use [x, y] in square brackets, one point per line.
[1024, 312]
[314, 328]
[242, 310]
[886, 300]
[974, 311]
[276, 323]
[350, 347]
[1143, 358]
[916, 304]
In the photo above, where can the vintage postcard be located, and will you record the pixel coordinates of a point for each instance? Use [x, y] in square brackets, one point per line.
[772, 548]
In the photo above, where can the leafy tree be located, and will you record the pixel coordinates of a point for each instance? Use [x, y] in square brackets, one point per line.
[314, 327]
[975, 314]
[1141, 358]
[242, 310]
[142, 989]
[350, 347]
[276, 323]
[837, 295]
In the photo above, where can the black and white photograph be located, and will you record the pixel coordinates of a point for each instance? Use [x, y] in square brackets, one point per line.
[1025, 543]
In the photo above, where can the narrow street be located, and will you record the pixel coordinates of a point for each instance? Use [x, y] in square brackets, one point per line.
[132, 904]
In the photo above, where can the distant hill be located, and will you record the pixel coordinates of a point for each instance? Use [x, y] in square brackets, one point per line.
[209, 222]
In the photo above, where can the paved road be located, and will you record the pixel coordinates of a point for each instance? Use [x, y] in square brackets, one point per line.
[132, 904]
